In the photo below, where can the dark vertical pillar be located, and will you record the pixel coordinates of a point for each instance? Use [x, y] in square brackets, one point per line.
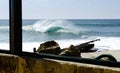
[15, 26]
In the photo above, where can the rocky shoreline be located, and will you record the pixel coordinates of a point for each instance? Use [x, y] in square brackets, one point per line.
[52, 47]
[84, 50]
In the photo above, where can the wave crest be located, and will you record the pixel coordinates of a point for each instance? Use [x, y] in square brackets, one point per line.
[58, 26]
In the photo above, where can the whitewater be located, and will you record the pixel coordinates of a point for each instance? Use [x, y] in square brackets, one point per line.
[65, 32]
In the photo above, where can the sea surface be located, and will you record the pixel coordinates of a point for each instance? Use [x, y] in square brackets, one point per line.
[65, 32]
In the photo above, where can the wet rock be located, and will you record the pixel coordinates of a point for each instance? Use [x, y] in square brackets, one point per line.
[85, 48]
[71, 51]
[50, 47]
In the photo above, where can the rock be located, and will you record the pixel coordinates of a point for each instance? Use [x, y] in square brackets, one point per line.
[71, 51]
[50, 47]
[85, 47]
[77, 50]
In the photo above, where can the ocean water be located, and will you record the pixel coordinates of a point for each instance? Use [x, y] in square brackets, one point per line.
[66, 32]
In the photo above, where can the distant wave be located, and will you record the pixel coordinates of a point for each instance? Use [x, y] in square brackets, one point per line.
[58, 26]
[4, 28]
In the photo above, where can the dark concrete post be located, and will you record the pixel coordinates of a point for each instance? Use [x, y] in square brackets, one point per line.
[15, 26]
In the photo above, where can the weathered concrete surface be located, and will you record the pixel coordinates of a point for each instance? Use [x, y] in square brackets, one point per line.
[8, 64]
[15, 64]
[12, 64]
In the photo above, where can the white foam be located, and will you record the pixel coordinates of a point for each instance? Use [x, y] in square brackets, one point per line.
[28, 46]
[112, 43]
[106, 43]
[4, 46]
[5, 28]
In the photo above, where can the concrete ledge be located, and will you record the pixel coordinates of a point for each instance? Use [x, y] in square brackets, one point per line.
[15, 64]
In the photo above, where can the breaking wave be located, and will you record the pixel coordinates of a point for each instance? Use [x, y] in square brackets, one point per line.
[58, 26]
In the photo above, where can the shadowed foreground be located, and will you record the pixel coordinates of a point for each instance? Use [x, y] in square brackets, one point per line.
[15, 64]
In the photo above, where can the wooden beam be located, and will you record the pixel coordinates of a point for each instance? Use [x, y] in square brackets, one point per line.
[15, 26]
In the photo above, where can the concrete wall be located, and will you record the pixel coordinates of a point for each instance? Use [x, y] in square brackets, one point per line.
[15, 64]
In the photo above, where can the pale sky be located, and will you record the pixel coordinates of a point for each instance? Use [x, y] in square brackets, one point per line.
[65, 9]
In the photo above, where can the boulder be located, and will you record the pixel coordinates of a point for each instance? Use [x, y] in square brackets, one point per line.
[49, 47]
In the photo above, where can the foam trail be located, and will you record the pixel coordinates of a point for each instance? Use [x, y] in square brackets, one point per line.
[106, 43]
[4, 28]
[112, 43]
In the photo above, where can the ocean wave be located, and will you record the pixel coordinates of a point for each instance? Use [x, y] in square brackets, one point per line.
[57, 26]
